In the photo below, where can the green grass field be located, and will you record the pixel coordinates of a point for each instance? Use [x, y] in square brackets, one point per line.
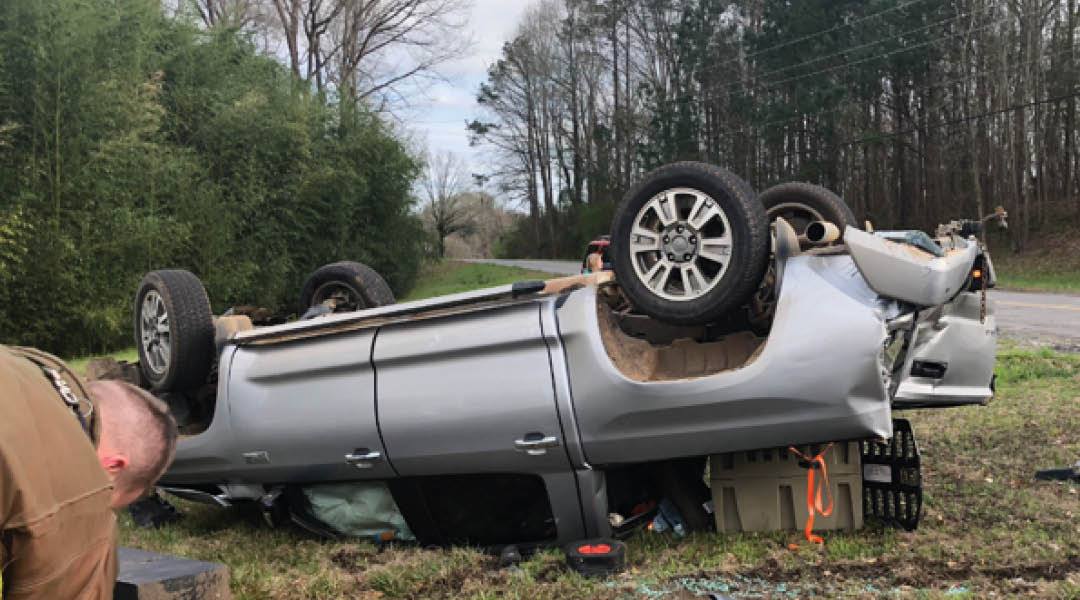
[451, 277]
[1051, 264]
[1029, 275]
[988, 527]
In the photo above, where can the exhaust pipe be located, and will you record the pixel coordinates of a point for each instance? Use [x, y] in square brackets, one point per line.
[821, 232]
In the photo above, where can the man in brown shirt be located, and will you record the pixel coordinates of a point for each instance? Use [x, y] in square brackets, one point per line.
[70, 452]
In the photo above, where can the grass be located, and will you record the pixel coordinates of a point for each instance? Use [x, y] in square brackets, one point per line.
[1050, 264]
[988, 528]
[451, 277]
[79, 364]
[1038, 273]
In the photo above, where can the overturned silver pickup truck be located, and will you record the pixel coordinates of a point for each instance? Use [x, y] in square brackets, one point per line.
[530, 413]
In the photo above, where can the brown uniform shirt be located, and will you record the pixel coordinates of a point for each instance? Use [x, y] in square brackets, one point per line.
[57, 531]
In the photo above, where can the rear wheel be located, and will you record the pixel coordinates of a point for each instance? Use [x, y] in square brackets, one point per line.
[689, 243]
[347, 285]
[174, 330]
[803, 203]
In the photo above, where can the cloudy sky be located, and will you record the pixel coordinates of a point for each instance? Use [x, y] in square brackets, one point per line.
[440, 118]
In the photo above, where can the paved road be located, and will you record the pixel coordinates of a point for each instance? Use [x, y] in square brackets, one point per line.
[1048, 318]
[1045, 318]
[557, 267]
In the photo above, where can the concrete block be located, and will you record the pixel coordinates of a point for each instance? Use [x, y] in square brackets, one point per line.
[148, 576]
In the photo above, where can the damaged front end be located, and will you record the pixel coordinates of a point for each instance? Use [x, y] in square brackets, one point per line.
[818, 375]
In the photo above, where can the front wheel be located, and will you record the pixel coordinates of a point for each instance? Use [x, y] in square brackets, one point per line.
[174, 330]
[690, 242]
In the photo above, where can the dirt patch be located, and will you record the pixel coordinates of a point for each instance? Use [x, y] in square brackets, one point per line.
[633, 357]
[640, 360]
[110, 368]
[1071, 348]
[351, 557]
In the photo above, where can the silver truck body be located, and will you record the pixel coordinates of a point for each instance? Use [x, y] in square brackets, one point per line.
[492, 382]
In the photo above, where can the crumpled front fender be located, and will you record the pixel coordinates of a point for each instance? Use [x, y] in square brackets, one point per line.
[819, 377]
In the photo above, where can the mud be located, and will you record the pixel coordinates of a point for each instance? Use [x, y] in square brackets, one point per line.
[640, 360]
[110, 368]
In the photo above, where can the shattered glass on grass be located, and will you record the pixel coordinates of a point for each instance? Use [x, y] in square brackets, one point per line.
[742, 587]
[735, 586]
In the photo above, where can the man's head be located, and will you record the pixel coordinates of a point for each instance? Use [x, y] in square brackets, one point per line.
[138, 438]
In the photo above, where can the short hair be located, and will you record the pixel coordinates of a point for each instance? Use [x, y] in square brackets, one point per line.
[150, 435]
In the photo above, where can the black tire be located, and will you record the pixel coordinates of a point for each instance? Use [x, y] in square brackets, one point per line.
[748, 253]
[357, 284]
[799, 203]
[190, 337]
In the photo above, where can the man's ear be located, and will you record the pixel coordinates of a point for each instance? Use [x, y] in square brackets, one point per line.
[114, 463]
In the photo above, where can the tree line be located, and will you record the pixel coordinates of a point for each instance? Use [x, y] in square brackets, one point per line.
[915, 111]
[135, 137]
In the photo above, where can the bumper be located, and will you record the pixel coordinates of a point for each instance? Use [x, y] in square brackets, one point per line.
[961, 341]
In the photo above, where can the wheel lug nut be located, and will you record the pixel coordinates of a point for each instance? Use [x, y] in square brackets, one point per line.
[667, 239]
[670, 256]
[679, 229]
[693, 239]
[686, 257]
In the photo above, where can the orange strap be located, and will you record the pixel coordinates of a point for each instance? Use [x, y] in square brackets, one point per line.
[813, 497]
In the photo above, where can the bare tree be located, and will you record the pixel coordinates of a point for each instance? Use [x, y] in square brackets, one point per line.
[304, 25]
[446, 207]
[369, 48]
[526, 119]
[228, 13]
[384, 45]
[289, 15]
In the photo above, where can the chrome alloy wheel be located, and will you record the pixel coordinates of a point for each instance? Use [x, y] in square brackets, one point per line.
[154, 332]
[681, 244]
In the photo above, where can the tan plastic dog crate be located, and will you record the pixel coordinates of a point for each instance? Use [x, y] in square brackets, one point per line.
[765, 490]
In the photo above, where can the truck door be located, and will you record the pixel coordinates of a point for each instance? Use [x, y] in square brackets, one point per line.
[469, 393]
[305, 410]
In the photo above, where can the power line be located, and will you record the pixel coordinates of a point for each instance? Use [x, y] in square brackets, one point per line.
[831, 29]
[775, 84]
[874, 43]
[967, 119]
[855, 103]
[860, 102]
[767, 86]
[807, 37]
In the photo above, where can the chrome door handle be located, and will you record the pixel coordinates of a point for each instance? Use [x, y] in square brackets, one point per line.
[363, 460]
[536, 446]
